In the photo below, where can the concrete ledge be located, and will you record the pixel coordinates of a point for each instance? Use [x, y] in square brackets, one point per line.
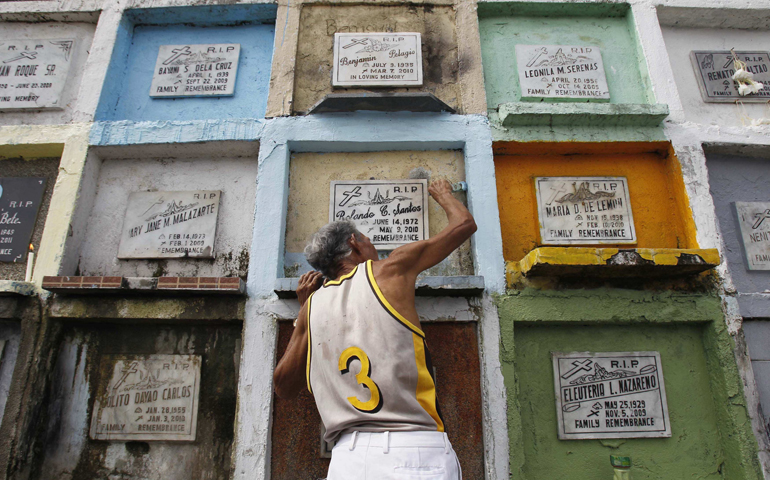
[581, 114]
[145, 285]
[754, 305]
[16, 288]
[445, 286]
[381, 102]
[613, 262]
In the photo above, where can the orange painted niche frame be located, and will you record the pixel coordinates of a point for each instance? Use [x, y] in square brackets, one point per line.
[659, 200]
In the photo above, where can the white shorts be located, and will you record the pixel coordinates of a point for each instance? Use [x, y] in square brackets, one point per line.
[394, 456]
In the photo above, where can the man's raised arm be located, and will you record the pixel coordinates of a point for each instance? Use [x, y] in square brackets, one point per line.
[418, 256]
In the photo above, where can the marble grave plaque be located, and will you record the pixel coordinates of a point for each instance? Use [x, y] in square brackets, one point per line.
[754, 219]
[206, 70]
[377, 60]
[714, 72]
[147, 397]
[610, 395]
[20, 199]
[170, 224]
[390, 212]
[584, 210]
[33, 73]
[562, 73]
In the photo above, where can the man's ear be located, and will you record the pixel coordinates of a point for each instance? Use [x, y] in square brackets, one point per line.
[353, 242]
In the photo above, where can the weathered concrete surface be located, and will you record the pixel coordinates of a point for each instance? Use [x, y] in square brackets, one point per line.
[310, 177]
[582, 114]
[319, 23]
[69, 453]
[10, 333]
[236, 177]
[83, 33]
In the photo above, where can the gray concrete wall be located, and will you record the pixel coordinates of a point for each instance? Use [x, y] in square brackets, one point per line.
[118, 177]
[10, 333]
[740, 179]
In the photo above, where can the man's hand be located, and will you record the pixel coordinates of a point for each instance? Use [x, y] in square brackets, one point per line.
[308, 283]
[439, 188]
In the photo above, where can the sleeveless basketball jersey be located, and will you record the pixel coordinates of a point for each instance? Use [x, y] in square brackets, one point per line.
[368, 367]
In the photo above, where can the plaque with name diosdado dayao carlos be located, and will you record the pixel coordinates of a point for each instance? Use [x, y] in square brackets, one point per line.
[610, 395]
[377, 60]
[170, 224]
[206, 70]
[147, 397]
[754, 221]
[391, 213]
[561, 73]
[33, 73]
[584, 210]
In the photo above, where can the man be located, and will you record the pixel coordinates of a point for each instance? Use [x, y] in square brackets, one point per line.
[358, 345]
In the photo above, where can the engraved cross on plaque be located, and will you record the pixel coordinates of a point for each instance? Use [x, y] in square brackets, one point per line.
[578, 366]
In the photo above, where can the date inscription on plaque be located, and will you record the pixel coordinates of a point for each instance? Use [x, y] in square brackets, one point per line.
[377, 60]
[390, 212]
[714, 71]
[170, 224]
[147, 397]
[562, 73]
[584, 210]
[207, 70]
[610, 395]
[754, 219]
[33, 73]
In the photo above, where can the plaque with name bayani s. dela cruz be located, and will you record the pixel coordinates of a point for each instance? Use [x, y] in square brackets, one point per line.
[561, 73]
[754, 219]
[610, 395]
[20, 199]
[195, 70]
[33, 73]
[147, 397]
[584, 210]
[390, 212]
[377, 60]
[170, 224]
[714, 71]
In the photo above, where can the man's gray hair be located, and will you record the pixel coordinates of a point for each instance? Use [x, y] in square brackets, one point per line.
[329, 245]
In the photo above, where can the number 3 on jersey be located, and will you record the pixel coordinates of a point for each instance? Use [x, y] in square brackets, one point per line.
[375, 402]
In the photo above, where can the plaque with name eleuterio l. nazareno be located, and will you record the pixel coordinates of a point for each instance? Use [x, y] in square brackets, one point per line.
[584, 210]
[170, 224]
[377, 60]
[147, 397]
[561, 73]
[610, 395]
[391, 213]
[714, 72]
[33, 73]
[20, 199]
[754, 220]
[207, 70]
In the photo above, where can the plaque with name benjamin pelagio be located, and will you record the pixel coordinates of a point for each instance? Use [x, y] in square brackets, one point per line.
[377, 60]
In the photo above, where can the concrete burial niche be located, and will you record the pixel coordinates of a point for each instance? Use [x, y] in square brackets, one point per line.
[734, 178]
[10, 336]
[309, 189]
[112, 174]
[319, 23]
[661, 214]
[37, 168]
[126, 94]
[684, 33]
[79, 378]
[608, 27]
[18, 34]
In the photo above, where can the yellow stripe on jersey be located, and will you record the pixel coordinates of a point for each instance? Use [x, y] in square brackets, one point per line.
[309, 345]
[387, 304]
[331, 283]
[426, 389]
